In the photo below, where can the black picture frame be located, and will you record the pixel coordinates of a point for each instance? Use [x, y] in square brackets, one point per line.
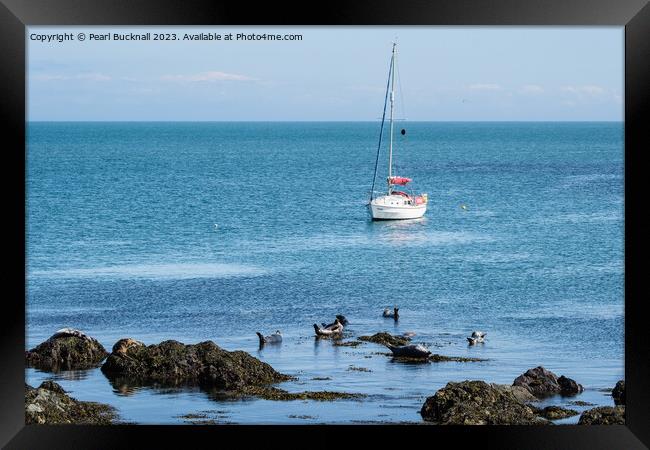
[15, 15]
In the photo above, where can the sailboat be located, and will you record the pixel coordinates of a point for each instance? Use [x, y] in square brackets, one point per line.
[394, 204]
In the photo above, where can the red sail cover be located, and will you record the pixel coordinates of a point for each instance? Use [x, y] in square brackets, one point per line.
[399, 180]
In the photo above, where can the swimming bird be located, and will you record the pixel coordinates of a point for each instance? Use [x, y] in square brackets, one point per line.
[410, 351]
[463, 207]
[216, 227]
[274, 338]
[477, 337]
[329, 330]
[394, 314]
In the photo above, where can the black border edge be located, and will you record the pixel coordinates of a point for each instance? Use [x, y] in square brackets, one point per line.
[634, 14]
[358, 12]
[12, 107]
[637, 354]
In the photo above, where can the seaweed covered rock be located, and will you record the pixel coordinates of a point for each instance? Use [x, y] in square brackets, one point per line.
[49, 404]
[554, 412]
[67, 349]
[543, 383]
[477, 403]
[273, 393]
[603, 415]
[173, 363]
[384, 338]
[618, 393]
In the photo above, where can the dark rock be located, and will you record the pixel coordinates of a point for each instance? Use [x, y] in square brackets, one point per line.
[48, 404]
[66, 352]
[569, 386]
[478, 403]
[543, 383]
[384, 338]
[52, 386]
[172, 363]
[603, 415]
[539, 381]
[554, 412]
[618, 393]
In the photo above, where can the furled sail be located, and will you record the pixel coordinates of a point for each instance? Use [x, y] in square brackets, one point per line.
[399, 180]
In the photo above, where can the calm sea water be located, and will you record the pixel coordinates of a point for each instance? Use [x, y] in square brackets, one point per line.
[213, 231]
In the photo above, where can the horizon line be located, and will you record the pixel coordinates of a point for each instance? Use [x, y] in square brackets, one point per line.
[320, 121]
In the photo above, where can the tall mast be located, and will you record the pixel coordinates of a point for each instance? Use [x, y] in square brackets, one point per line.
[392, 101]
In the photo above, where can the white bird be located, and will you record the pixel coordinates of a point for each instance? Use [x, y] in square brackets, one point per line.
[476, 338]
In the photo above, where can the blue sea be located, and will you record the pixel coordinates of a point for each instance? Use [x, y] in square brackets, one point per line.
[213, 231]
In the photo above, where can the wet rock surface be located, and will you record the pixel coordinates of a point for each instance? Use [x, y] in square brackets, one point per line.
[477, 403]
[603, 415]
[71, 350]
[618, 393]
[544, 383]
[273, 393]
[173, 363]
[520, 393]
[384, 338]
[554, 412]
[49, 404]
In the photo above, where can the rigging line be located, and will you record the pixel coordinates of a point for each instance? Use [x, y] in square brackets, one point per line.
[381, 130]
[401, 91]
[402, 111]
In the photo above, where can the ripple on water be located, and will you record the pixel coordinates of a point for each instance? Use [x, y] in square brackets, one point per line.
[155, 271]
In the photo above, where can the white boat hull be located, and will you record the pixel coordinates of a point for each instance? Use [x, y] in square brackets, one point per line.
[390, 208]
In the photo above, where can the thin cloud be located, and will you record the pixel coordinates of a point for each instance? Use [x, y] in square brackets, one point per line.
[484, 87]
[81, 76]
[207, 76]
[585, 89]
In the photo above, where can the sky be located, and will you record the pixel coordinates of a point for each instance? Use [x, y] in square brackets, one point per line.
[331, 74]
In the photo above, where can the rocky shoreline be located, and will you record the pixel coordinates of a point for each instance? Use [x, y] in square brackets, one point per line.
[49, 404]
[479, 403]
[237, 374]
